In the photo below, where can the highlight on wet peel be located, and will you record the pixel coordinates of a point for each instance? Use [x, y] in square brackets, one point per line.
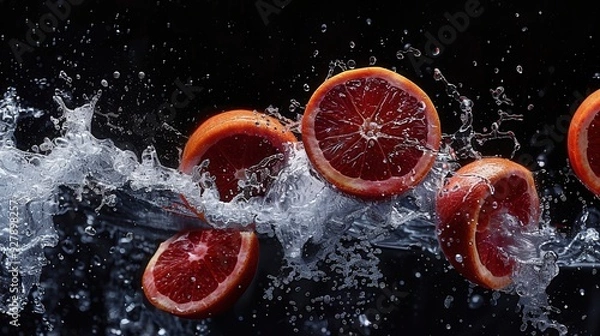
[482, 210]
[371, 132]
[584, 142]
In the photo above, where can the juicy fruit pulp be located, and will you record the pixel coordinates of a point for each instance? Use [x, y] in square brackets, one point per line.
[584, 142]
[198, 273]
[371, 132]
[244, 149]
[236, 158]
[481, 211]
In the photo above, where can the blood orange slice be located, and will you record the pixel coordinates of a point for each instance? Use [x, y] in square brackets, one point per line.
[199, 273]
[371, 132]
[481, 211]
[584, 142]
[239, 145]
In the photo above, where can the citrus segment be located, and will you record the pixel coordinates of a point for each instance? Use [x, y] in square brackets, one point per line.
[481, 211]
[199, 273]
[584, 142]
[371, 132]
[240, 146]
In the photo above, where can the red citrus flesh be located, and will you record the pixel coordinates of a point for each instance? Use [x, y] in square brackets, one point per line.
[235, 142]
[200, 273]
[584, 142]
[481, 209]
[371, 132]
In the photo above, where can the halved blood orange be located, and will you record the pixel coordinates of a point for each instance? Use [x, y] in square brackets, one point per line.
[371, 132]
[238, 144]
[584, 142]
[202, 272]
[481, 211]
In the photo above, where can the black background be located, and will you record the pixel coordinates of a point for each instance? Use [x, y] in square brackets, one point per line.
[237, 58]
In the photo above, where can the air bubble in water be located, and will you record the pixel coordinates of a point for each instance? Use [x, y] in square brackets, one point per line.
[104, 83]
[372, 60]
[116, 74]
[306, 87]
[351, 64]
[369, 21]
[323, 28]
[141, 75]
[352, 44]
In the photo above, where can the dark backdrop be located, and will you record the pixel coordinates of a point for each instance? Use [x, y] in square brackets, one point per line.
[256, 54]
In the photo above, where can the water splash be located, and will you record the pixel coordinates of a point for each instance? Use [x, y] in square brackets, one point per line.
[466, 142]
[316, 225]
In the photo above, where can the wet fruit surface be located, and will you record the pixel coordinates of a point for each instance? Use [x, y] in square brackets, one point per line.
[202, 272]
[481, 211]
[244, 150]
[371, 132]
[584, 142]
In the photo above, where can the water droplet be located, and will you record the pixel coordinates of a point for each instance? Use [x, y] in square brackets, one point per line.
[104, 83]
[68, 246]
[352, 44]
[475, 301]
[364, 320]
[141, 75]
[323, 28]
[437, 74]
[90, 230]
[351, 64]
[436, 51]
[372, 60]
[458, 257]
[596, 75]
[448, 301]
[306, 87]
[116, 74]
[316, 52]
[530, 107]
[519, 69]
[400, 54]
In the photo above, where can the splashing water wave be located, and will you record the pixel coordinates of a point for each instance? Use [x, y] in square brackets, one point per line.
[312, 221]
